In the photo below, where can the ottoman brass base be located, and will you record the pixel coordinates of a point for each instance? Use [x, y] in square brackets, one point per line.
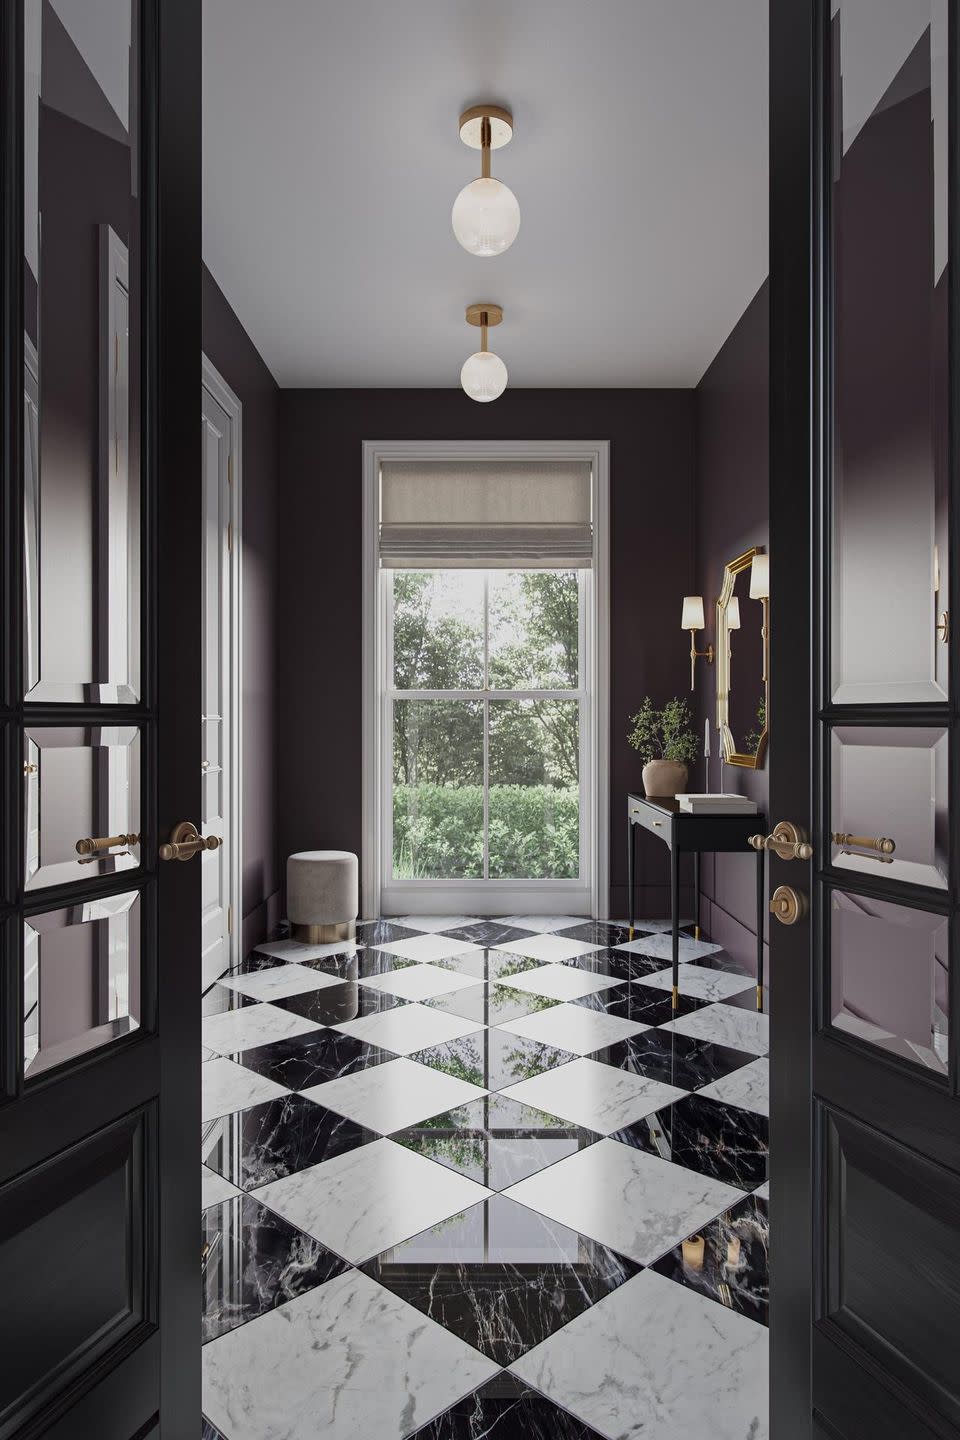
[325, 934]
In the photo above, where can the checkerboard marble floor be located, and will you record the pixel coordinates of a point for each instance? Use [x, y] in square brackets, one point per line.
[475, 1178]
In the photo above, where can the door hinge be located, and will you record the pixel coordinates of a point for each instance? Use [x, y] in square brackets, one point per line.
[229, 919]
[229, 534]
[230, 468]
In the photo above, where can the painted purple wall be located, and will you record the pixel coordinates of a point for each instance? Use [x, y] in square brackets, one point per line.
[229, 348]
[319, 653]
[732, 513]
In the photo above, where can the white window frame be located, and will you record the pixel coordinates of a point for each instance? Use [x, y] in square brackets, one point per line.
[590, 893]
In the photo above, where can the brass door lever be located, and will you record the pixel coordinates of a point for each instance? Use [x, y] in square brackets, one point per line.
[186, 841]
[94, 845]
[787, 842]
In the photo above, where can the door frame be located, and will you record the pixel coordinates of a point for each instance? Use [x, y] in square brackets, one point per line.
[230, 403]
[543, 896]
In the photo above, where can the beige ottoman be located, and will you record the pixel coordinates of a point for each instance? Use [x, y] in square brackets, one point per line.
[322, 895]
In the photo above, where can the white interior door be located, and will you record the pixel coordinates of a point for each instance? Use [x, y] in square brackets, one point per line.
[217, 811]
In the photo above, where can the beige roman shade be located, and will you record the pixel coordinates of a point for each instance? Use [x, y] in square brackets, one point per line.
[485, 513]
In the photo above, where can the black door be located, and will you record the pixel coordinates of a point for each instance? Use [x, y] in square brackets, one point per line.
[865, 1117]
[100, 757]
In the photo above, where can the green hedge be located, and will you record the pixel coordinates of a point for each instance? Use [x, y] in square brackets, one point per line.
[438, 832]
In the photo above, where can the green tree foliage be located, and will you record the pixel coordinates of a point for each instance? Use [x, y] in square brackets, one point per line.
[665, 734]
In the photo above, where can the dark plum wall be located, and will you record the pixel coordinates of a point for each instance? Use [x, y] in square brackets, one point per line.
[229, 348]
[652, 556]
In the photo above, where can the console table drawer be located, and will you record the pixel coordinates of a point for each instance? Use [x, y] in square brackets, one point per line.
[649, 817]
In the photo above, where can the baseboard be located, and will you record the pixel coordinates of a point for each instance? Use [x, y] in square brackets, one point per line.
[261, 922]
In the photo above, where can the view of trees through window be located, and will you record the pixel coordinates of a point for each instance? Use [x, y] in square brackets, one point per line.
[486, 724]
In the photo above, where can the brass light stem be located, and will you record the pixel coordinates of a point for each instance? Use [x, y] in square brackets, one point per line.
[485, 138]
[483, 333]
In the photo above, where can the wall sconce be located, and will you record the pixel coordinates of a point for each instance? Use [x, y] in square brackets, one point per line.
[760, 590]
[693, 621]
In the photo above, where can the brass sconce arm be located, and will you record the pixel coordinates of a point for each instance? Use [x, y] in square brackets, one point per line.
[696, 655]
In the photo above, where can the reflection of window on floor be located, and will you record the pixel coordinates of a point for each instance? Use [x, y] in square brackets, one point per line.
[485, 713]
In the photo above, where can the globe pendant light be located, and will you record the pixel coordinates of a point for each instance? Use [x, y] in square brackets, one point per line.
[484, 375]
[486, 216]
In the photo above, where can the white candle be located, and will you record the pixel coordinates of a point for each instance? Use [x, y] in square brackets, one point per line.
[706, 739]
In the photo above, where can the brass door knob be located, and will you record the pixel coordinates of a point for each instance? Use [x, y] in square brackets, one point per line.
[96, 844]
[787, 905]
[186, 841]
[787, 841]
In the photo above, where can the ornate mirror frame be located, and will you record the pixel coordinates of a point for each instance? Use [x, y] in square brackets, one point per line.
[728, 746]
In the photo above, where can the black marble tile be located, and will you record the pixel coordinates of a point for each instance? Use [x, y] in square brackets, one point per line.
[209, 1432]
[335, 1004]
[490, 1004]
[599, 932]
[383, 932]
[220, 998]
[719, 1140]
[501, 1276]
[488, 932]
[253, 1261]
[747, 999]
[682, 1060]
[640, 1003]
[619, 965]
[493, 1059]
[495, 1141]
[265, 1142]
[258, 961]
[505, 1408]
[720, 960]
[735, 1268]
[345, 964]
[304, 1060]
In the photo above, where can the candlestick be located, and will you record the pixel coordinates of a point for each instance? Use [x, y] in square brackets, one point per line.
[706, 739]
[693, 1252]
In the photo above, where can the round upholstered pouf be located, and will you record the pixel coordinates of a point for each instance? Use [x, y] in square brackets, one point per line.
[322, 895]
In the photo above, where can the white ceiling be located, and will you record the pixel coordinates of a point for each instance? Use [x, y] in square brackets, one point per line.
[331, 161]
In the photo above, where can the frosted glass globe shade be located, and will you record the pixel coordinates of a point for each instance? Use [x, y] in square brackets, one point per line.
[484, 375]
[486, 217]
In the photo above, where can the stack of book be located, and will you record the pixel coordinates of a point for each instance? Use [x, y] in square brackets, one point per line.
[717, 804]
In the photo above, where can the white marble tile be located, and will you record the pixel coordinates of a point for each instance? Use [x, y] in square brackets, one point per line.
[549, 948]
[748, 1087]
[656, 1361]
[278, 981]
[559, 982]
[544, 923]
[298, 952]
[206, 1054]
[235, 1030]
[623, 1197]
[703, 984]
[391, 1096]
[226, 1087]
[370, 1198]
[656, 926]
[409, 1027]
[763, 1191]
[214, 1188]
[430, 924]
[726, 1025]
[419, 982]
[574, 1028]
[347, 1361]
[424, 948]
[599, 1097]
[660, 947]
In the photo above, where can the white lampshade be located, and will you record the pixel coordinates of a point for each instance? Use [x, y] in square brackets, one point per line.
[486, 217]
[760, 577]
[692, 613]
[484, 375]
[733, 613]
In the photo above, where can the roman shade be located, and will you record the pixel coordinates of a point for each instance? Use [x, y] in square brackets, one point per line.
[485, 513]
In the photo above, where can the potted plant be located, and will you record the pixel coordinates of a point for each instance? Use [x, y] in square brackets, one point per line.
[665, 741]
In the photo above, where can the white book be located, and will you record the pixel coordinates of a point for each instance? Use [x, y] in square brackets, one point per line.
[718, 804]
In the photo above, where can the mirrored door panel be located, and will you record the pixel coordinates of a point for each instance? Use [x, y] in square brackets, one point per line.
[888, 816]
[81, 347]
[82, 802]
[889, 209]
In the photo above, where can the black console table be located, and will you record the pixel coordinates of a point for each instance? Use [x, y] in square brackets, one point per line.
[685, 833]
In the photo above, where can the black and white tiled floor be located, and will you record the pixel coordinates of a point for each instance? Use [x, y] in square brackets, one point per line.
[470, 1180]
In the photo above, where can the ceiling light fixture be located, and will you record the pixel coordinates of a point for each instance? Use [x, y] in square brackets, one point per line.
[484, 375]
[486, 215]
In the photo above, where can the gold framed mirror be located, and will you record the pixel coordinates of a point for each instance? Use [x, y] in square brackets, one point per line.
[743, 648]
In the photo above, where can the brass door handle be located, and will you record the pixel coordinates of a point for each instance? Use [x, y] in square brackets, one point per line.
[186, 841]
[787, 841]
[96, 844]
[880, 843]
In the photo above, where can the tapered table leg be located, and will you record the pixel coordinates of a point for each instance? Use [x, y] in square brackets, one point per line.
[696, 894]
[761, 897]
[631, 868]
[675, 914]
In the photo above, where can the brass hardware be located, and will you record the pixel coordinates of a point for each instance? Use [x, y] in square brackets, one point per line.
[95, 845]
[787, 905]
[731, 755]
[486, 127]
[786, 841]
[676, 997]
[324, 934]
[760, 997]
[30, 769]
[186, 841]
[943, 626]
[658, 824]
[879, 843]
[696, 655]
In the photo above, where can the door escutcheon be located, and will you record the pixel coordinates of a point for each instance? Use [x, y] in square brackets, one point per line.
[788, 905]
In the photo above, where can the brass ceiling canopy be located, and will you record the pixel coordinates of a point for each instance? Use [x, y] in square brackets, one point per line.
[500, 126]
[484, 312]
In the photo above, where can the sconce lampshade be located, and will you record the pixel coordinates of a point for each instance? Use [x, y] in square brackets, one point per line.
[760, 577]
[692, 613]
[733, 613]
[486, 216]
[484, 375]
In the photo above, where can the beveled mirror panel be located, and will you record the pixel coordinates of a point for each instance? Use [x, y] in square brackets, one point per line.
[889, 221]
[890, 977]
[742, 650]
[81, 347]
[81, 979]
[889, 788]
[82, 789]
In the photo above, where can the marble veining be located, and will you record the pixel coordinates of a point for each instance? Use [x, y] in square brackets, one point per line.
[392, 1096]
[277, 981]
[383, 932]
[748, 1087]
[574, 1028]
[727, 1025]
[425, 948]
[640, 1004]
[660, 947]
[505, 1409]
[682, 1060]
[617, 965]
[226, 1086]
[551, 949]
[314, 1057]
[341, 1001]
[560, 982]
[493, 1059]
[501, 1276]
[254, 1025]
[703, 982]
[704, 1135]
[263, 1143]
[214, 1188]
[599, 1097]
[598, 932]
[410, 1027]
[544, 924]
[418, 982]
[732, 1266]
[486, 932]
[492, 1004]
